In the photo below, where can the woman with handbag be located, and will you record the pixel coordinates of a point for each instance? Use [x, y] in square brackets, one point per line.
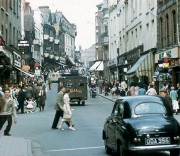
[67, 111]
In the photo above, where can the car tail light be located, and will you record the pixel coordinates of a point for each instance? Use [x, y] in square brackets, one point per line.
[137, 140]
[176, 138]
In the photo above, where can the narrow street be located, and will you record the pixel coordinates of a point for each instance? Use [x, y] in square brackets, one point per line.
[85, 141]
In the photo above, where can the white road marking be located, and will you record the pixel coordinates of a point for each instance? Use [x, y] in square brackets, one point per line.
[75, 149]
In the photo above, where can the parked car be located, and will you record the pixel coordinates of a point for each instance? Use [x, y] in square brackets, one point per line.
[141, 124]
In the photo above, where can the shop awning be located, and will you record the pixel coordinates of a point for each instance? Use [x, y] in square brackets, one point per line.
[95, 66]
[7, 53]
[70, 59]
[60, 63]
[26, 73]
[136, 65]
[100, 67]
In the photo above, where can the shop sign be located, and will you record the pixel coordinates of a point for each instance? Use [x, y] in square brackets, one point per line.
[133, 56]
[17, 60]
[121, 60]
[23, 43]
[112, 62]
[171, 53]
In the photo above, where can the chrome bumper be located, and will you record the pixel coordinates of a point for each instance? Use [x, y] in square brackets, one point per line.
[154, 148]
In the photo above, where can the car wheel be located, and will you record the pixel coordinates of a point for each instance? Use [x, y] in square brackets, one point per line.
[108, 149]
[123, 152]
[174, 153]
[83, 103]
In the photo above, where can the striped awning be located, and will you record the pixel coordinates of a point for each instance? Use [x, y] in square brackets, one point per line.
[143, 67]
[136, 65]
[146, 67]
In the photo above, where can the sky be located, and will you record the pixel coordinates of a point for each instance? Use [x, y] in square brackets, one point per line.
[79, 12]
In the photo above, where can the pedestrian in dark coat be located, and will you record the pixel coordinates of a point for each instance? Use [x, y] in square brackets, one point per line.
[59, 108]
[41, 98]
[21, 98]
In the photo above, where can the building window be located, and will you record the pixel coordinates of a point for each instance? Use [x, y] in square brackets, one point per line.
[161, 31]
[2, 30]
[10, 33]
[174, 27]
[167, 30]
[7, 37]
[10, 4]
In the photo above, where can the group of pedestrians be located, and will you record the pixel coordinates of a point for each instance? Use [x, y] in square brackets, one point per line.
[34, 91]
[62, 107]
[13, 98]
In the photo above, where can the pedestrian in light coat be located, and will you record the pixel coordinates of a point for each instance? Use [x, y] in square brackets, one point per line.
[8, 111]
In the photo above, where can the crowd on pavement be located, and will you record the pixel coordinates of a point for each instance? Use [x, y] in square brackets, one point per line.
[117, 89]
[16, 98]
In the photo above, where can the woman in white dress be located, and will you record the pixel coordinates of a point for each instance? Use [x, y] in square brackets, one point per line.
[67, 110]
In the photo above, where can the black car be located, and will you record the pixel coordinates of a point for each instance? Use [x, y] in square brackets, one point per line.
[141, 124]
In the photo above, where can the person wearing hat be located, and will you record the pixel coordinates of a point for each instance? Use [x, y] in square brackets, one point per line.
[164, 94]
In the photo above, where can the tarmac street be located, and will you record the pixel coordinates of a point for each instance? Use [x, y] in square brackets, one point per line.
[33, 136]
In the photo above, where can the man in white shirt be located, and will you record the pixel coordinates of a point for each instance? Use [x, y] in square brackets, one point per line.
[151, 91]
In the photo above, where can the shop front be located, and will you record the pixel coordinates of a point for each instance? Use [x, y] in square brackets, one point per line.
[113, 72]
[143, 69]
[122, 67]
[6, 60]
[169, 74]
[132, 57]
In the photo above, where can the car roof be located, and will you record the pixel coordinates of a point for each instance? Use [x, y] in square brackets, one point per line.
[132, 101]
[142, 98]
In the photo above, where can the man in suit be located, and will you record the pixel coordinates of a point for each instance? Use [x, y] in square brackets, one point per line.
[59, 107]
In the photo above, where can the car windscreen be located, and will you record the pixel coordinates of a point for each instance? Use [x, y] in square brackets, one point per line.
[149, 108]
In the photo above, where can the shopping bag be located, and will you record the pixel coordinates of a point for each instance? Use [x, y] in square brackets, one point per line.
[67, 116]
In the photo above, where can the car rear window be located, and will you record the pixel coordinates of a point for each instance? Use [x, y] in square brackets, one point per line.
[149, 108]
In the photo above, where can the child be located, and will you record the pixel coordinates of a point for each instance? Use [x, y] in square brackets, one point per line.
[30, 106]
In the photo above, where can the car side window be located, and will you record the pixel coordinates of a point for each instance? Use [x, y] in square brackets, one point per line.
[121, 110]
[118, 109]
[115, 110]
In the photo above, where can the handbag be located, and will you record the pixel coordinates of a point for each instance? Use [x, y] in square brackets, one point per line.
[67, 116]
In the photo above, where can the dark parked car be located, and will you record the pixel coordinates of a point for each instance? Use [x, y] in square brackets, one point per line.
[141, 124]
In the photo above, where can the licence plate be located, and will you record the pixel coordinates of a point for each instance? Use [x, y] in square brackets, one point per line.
[157, 141]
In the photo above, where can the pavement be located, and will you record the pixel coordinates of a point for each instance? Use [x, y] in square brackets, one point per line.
[16, 146]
